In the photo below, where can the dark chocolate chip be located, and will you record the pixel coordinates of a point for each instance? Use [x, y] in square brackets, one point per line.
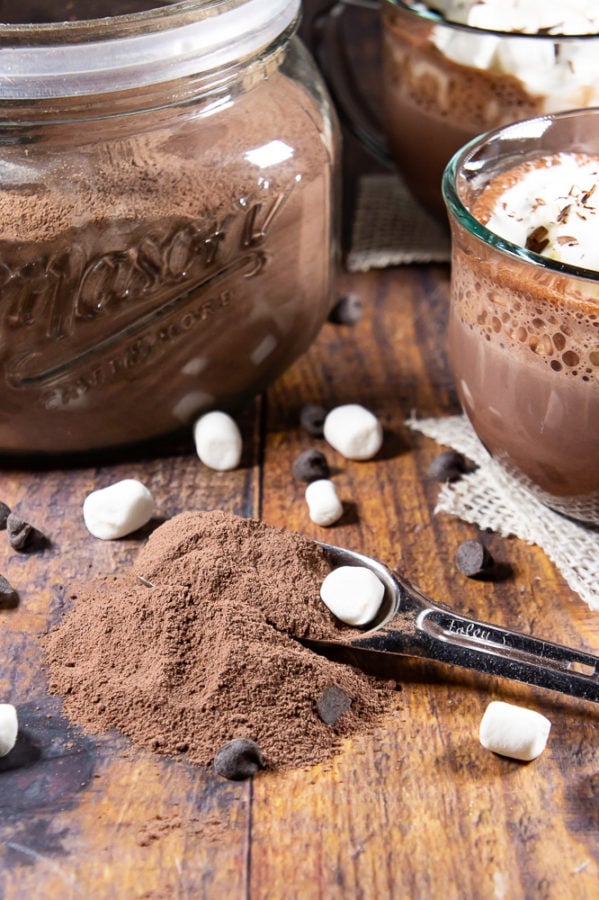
[312, 418]
[4, 514]
[473, 559]
[449, 465]
[21, 535]
[346, 311]
[332, 703]
[310, 466]
[238, 759]
[8, 595]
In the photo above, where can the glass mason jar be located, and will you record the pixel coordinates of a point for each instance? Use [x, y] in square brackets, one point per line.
[167, 214]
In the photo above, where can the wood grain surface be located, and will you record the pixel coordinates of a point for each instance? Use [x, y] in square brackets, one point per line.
[417, 809]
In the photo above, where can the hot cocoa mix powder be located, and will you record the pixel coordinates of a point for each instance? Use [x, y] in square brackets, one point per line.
[201, 651]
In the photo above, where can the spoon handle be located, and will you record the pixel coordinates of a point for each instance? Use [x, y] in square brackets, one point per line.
[509, 654]
[415, 625]
[441, 634]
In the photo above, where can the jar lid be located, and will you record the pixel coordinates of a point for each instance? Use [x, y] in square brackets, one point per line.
[128, 51]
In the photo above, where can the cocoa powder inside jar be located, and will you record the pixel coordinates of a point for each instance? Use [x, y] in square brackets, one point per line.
[204, 650]
[148, 243]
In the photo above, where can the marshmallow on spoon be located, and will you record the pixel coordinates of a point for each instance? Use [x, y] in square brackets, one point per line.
[353, 594]
[514, 731]
[119, 509]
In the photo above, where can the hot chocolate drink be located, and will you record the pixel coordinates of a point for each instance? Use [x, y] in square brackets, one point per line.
[524, 337]
[449, 77]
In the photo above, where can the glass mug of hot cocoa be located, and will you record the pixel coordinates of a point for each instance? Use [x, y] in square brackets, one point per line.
[523, 335]
[453, 69]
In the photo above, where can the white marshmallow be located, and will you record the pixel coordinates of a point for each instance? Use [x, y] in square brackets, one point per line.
[324, 505]
[353, 594]
[218, 441]
[9, 727]
[354, 431]
[526, 16]
[562, 80]
[117, 510]
[477, 51]
[514, 731]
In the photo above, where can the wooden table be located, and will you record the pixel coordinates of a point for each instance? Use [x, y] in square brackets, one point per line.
[419, 809]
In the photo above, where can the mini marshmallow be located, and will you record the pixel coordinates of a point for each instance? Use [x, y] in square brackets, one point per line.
[353, 594]
[465, 49]
[514, 731]
[218, 441]
[354, 431]
[324, 505]
[117, 510]
[9, 726]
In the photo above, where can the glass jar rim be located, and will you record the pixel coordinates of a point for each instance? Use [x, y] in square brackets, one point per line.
[533, 127]
[191, 37]
[437, 18]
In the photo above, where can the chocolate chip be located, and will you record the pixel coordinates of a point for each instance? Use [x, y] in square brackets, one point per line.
[238, 759]
[4, 514]
[332, 703]
[347, 310]
[312, 418]
[310, 466]
[449, 465]
[473, 559]
[8, 595]
[21, 535]
[538, 239]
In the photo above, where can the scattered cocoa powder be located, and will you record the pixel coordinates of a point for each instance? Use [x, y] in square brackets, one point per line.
[204, 649]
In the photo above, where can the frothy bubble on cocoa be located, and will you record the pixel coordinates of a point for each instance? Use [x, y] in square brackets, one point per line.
[539, 325]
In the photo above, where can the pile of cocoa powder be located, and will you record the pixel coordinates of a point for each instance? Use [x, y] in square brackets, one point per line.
[204, 649]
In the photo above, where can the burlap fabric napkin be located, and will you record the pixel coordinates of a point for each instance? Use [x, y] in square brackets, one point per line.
[390, 228]
[491, 498]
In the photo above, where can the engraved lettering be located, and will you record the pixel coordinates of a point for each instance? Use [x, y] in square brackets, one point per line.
[212, 243]
[150, 286]
[254, 232]
[139, 352]
[470, 630]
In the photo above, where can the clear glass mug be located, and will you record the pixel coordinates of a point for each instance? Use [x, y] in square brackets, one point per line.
[168, 227]
[442, 83]
[523, 334]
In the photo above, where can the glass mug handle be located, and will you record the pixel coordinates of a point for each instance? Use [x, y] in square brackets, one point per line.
[333, 57]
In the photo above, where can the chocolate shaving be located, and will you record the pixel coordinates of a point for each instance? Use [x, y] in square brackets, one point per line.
[537, 240]
[562, 216]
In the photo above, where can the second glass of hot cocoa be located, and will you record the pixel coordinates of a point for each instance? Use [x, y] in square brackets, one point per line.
[523, 204]
[453, 70]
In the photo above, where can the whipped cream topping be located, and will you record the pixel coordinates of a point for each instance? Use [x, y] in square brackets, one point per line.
[563, 74]
[553, 209]
[524, 16]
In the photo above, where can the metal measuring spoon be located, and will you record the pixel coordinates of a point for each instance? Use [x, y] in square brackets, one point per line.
[411, 624]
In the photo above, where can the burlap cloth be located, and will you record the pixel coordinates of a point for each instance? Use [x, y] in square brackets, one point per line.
[491, 498]
[390, 228]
